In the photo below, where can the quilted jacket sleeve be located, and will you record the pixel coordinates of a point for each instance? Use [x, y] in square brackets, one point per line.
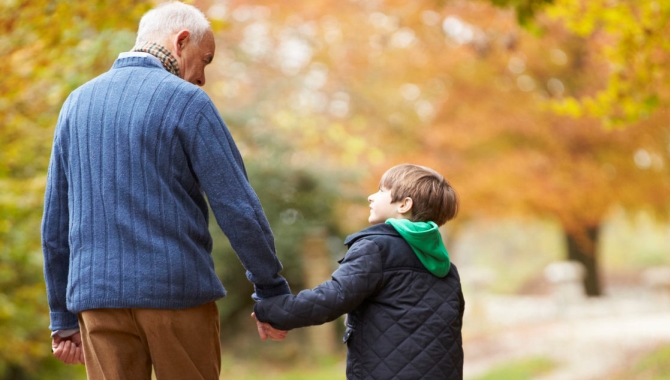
[358, 277]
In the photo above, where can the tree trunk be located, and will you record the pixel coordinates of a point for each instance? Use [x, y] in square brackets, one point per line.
[316, 262]
[582, 248]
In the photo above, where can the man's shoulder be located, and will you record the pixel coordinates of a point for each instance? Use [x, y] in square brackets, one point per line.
[149, 78]
[139, 66]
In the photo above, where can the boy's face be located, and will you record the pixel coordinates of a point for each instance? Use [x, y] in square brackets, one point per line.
[381, 207]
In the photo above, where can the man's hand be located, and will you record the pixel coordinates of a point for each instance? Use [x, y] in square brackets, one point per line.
[68, 350]
[266, 331]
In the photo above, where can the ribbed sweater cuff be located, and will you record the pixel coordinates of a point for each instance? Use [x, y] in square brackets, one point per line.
[269, 292]
[63, 320]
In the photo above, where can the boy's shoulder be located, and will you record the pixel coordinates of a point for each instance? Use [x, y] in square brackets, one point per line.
[376, 231]
[395, 252]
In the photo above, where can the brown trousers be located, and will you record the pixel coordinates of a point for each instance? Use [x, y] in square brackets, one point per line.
[124, 344]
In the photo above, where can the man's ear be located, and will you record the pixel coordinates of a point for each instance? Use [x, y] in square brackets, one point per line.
[180, 41]
[405, 205]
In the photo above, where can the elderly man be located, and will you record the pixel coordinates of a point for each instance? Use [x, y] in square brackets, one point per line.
[127, 252]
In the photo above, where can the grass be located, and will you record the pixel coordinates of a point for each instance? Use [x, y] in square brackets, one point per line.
[523, 369]
[654, 365]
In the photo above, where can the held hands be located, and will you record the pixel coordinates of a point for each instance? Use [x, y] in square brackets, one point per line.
[266, 331]
[69, 349]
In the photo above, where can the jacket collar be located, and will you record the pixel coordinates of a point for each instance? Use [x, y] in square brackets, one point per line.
[377, 229]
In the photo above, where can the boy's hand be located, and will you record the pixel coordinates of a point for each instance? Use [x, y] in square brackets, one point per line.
[266, 331]
[68, 350]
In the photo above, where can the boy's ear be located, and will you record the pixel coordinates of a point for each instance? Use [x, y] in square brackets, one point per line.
[405, 205]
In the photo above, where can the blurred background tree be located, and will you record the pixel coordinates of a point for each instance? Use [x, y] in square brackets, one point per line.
[298, 201]
[456, 85]
[629, 41]
[47, 49]
[614, 57]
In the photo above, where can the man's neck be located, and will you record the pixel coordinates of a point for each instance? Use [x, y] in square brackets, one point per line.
[163, 54]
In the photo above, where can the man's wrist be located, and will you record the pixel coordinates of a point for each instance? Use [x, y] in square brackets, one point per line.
[64, 333]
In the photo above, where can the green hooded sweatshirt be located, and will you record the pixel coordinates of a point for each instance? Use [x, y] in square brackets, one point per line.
[426, 242]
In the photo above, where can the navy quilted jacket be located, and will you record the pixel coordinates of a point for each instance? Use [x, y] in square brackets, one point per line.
[402, 323]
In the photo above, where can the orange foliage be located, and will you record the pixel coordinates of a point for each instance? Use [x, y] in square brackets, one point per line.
[459, 87]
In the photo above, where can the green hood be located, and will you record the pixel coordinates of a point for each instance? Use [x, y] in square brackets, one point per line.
[426, 242]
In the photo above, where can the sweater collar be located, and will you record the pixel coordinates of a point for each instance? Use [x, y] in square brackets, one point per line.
[159, 51]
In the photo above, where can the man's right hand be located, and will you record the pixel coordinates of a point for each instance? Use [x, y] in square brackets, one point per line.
[68, 350]
[266, 331]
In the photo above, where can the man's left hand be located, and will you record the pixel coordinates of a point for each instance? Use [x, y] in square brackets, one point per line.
[68, 350]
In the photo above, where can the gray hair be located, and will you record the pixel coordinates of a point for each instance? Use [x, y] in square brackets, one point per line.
[169, 18]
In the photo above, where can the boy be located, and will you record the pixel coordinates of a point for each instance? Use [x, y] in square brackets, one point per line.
[402, 295]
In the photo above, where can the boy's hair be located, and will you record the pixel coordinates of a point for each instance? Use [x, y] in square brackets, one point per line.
[433, 199]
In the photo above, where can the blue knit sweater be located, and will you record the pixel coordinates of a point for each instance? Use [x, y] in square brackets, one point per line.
[125, 220]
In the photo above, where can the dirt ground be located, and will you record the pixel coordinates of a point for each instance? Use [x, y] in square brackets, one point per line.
[589, 338]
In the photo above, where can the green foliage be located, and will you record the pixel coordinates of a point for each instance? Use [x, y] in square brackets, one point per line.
[48, 48]
[45, 369]
[525, 9]
[628, 40]
[523, 369]
[297, 202]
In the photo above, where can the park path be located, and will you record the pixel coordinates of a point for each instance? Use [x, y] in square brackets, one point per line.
[589, 339]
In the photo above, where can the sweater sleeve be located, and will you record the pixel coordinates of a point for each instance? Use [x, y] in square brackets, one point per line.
[55, 235]
[358, 277]
[220, 170]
